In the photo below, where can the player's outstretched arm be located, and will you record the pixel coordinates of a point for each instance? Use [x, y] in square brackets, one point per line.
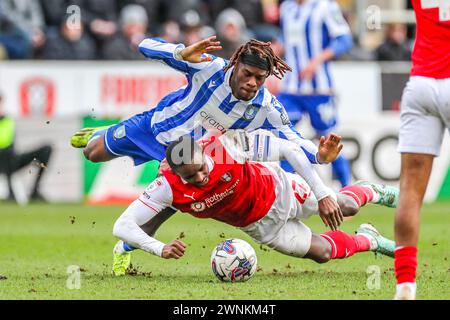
[127, 228]
[195, 53]
[143, 211]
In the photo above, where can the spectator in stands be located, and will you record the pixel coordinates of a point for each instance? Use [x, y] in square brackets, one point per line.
[177, 8]
[11, 161]
[231, 32]
[395, 47]
[69, 42]
[153, 9]
[54, 11]
[100, 18]
[191, 27]
[3, 53]
[27, 17]
[261, 16]
[124, 46]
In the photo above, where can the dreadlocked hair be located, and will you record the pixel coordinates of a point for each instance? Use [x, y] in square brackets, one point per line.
[277, 66]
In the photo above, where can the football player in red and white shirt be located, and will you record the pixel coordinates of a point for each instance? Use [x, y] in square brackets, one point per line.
[217, 179]
[425, 113]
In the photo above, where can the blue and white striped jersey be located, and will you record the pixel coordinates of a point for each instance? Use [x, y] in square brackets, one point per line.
[307, 29]
[207, 104]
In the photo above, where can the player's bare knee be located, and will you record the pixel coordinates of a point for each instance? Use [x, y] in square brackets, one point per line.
[324, 256]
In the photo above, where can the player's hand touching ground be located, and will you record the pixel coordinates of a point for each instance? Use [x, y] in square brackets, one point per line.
[174, 250]
[194, 52]
[329, 148]
[330, 213]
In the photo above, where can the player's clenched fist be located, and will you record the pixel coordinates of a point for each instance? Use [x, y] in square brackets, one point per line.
[174, 250]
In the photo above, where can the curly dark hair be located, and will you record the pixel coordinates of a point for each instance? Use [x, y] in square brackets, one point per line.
[277, 66]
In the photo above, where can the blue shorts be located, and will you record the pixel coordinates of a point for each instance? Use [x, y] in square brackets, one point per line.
[134, 138]
[320, 108]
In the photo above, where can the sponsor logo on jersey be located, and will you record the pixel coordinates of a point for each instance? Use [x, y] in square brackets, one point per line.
[188, 196]
[212, 122]
[119, 133]
[250, 112]
[226, 177]
[214, 199]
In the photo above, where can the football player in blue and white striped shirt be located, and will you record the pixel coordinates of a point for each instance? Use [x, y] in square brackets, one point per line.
[313, 32]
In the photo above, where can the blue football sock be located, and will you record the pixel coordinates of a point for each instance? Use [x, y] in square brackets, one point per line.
[127, 247]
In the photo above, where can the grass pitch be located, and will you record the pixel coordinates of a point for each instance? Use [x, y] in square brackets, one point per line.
[38, 244]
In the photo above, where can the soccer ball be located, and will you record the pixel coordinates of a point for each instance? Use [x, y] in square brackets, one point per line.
[233, 260]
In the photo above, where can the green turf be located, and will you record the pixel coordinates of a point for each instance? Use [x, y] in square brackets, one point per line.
[39, 242]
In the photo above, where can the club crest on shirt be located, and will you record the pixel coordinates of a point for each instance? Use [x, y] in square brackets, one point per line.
[119, 133]
[226, 177]
[250, 112]
[198, 206]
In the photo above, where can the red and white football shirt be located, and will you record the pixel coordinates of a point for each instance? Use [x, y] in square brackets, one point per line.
[431, 53]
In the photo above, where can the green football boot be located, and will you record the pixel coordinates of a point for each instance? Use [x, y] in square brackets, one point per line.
[81, 138]
[121, 261]
[378, 243]
[388, 195]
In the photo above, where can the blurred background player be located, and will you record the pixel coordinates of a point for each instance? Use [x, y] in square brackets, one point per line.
[12, 161]
[312, 33]
[425, 113]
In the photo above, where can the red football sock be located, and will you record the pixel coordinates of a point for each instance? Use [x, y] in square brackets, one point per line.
[344, 245]
[405, 264]
[362, 195]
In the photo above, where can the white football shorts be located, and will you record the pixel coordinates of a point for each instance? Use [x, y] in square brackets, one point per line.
[425, 113]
